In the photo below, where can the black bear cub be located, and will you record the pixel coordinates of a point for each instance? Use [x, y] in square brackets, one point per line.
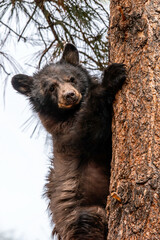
[77, 111]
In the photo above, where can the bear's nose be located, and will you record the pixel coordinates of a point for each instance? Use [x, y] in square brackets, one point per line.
[70, 96]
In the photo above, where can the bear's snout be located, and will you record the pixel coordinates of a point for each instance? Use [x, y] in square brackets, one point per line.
[70, 97]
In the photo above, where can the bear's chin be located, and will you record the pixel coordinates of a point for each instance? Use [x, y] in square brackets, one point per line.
[64, 106]
[60, 105]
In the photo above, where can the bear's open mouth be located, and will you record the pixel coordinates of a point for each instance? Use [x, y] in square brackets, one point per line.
[70, 105]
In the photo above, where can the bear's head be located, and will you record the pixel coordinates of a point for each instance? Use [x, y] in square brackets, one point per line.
[57, 88]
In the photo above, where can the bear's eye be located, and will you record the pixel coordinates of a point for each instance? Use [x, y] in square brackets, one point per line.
[72, 79]
[52, 87]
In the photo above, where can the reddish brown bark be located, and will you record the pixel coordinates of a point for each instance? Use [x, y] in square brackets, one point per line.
[134, 204]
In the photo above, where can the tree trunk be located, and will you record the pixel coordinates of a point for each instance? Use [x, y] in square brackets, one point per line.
[133, 206]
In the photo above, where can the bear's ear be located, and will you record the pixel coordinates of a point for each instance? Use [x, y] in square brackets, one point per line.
[22, 83]
[70, 54]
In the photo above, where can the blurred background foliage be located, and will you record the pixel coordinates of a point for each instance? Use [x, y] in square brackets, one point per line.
[49, 25]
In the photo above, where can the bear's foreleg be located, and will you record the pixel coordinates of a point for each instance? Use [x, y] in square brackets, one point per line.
[113, 78]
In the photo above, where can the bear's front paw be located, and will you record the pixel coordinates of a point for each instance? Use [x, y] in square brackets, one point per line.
[114, 77]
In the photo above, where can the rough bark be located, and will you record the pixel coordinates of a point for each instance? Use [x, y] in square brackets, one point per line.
[133, 206]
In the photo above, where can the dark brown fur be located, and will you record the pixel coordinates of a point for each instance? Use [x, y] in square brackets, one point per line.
[77, 112]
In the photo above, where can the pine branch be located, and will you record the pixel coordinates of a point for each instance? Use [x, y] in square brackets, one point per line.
[84, 23]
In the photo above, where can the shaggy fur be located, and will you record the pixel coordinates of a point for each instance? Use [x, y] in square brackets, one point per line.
[77, 111]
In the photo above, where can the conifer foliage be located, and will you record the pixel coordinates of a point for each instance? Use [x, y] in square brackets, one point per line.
[50, 24]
